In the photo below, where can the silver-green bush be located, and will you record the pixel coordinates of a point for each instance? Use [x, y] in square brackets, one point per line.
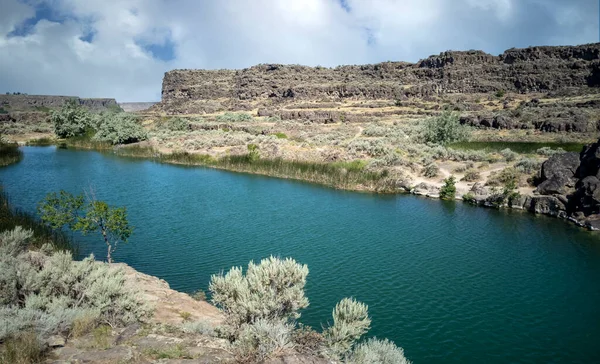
[119, 128]
[444, 129]
[71, 120]
[375, 351]
[350, 321]
[272, 290]
[508, 154]
[262, 338]
[47, 294]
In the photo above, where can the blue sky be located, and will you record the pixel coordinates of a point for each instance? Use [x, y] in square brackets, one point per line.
[121, 48]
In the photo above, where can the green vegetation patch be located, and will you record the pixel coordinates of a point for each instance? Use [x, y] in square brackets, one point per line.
[9, 153]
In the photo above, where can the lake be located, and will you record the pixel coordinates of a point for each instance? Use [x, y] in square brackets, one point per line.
[449, 282]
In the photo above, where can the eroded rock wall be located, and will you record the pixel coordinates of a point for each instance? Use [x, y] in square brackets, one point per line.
[36, 102]
[535, 69]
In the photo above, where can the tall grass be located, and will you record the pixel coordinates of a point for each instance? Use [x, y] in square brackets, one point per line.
[40, 142]
[42, 234]
[9, 154]
[85, 142]
[346, 175]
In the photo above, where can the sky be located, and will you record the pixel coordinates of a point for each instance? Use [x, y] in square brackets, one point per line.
[122, 48]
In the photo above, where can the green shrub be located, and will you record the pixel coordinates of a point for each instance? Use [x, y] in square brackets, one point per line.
[173, 352]
[185, 315]
[48, 294]
[507, 175]
[198, 327]
[281, 135]
[448, 190]
[528, 166]
[271, 290]
[253, 152]
[548, 152]
[375, 351]
[445, 129]
[431, 170]
[500, 93]
[120, 128]
[508, 154]
[178, 124]
[229, 117]
[102, 337]
[22, 348]
[261, 339]
[71, 120]
[262, 306]
[470, 198]
[471, 176]
[350, 321]
[307, 340]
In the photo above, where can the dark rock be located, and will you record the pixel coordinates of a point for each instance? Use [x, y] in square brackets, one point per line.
[547, 205]
[535, 69]
[555, 186]
[502, 122]
[590, 161]
[563, 166]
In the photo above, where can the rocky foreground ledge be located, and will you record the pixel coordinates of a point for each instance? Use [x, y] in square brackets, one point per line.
[162, 339]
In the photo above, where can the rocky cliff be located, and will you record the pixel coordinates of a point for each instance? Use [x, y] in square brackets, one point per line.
[535, 69]
[42, 102]
[570, 186]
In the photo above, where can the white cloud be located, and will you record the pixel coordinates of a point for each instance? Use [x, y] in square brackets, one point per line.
[52, 59]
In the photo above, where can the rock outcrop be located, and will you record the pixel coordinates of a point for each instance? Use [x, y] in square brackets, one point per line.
[535, 69]
[570, 187]
[43, 102]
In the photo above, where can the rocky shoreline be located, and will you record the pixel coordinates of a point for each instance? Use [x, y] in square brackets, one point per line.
[568, 187]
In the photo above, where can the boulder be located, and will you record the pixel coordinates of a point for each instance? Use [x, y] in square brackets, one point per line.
[547, 205]
[425, 189]
[587, 197]
[502, 122]
[562, 166]
[559, 174]
[556, 186]
[590, 161]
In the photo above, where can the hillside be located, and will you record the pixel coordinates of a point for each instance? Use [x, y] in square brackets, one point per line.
[569, 69]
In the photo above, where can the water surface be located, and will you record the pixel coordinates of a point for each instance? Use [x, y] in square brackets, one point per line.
[448, 282]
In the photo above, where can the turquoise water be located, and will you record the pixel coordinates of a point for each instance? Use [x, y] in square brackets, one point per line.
[448, 282]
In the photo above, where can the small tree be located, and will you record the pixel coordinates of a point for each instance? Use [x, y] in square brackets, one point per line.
[64, 209]
[445, 129]
[120, 128]
[448, 190]
[71, 120]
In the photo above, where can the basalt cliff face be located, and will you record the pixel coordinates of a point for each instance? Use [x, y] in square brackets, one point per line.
[529, 70]
[37, 102]
[570, 186]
